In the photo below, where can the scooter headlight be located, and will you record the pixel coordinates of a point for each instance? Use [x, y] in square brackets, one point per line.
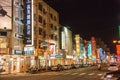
[109, 76]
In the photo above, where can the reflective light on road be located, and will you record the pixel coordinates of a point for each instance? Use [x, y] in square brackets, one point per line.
[74, 73]
[100, 74]
[82, 73]
[91, 74]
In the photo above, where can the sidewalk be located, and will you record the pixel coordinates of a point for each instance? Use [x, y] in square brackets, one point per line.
[21, 74]
[15, 74]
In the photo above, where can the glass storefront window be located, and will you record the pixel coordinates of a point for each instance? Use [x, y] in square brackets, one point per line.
[3, 45]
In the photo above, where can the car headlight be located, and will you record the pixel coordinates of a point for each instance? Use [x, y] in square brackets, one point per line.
[109, 76]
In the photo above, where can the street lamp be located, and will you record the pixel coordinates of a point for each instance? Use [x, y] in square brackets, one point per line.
[114, 41]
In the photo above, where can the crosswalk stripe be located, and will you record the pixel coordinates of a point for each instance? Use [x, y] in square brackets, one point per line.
[74, 73]
[91, 74]
[82, 74]
[68, 73]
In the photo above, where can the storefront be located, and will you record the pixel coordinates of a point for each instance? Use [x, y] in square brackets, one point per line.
[3, 46]
[11, 63]
[69, 60]
[57, 59]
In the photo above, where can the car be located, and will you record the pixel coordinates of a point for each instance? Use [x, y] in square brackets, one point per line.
[112, 75]
[53, 68]
[113, 67]
[66, 67]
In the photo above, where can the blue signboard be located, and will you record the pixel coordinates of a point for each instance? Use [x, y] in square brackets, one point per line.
[89, 49]
[28, 21]
[58, 56]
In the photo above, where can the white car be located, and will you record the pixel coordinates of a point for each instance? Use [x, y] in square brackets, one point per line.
[53, 68]
[113, 67]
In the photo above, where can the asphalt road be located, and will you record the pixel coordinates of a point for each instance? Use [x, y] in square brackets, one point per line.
[87, 73]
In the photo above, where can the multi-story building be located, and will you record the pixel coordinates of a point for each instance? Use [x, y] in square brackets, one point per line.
[41, 33]
[29, 34]
[17, 58]
[5, 35]
[66, 45]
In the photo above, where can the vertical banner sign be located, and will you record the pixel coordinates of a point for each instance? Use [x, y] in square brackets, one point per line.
[118, 50]
[89, 49]
[98, 54]
[28, 22]
[77, 38]
[119, 31]
[63, 40]
[93, 48]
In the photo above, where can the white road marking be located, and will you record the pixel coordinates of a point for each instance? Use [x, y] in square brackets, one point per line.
[82, 74]
[91, 74]
[99, 74]
[74, 73]
[66, 73]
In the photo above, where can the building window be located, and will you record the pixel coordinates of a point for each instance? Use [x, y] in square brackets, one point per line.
[55, 18]
[35, 17]
[40, 31]
[40, 6]
[55, 28]
[51, 16]
[51, 25]
[44, 12]
[40, 19]
[40, 41]
[44, 34]
[56, 37]
[52, 36]
[44, 22]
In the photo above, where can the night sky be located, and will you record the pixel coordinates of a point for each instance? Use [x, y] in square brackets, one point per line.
[98, 18]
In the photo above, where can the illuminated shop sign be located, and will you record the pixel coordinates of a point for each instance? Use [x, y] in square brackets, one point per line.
[77, 38]
[58, 56]
[89, 49]
[29, 50]
[63, 40]
[28, 27]
[19, 36]
[69, 57]
[18, 52]
[118, 49]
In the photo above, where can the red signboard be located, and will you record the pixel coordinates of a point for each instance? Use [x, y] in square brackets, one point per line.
[118, 49]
